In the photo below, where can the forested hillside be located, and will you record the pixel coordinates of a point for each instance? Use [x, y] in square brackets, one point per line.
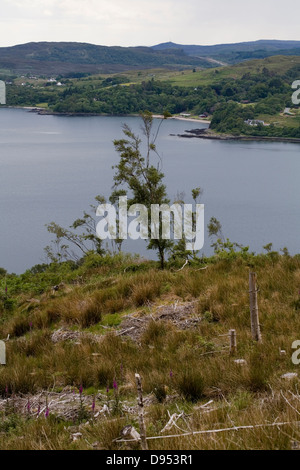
[229, 96]
[43, 58]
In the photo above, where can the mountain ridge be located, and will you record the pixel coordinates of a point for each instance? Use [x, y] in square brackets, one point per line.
[66, 58]
[236, 52]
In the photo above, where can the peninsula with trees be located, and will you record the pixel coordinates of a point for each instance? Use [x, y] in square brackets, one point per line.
[251, 98]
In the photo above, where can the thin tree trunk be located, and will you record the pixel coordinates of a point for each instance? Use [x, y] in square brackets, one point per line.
[255, 326]
[161, 257]
[141, 412]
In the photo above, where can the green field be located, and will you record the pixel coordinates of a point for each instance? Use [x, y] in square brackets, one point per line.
[188, 78]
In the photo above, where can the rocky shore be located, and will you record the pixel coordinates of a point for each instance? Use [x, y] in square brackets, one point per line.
[209, 134]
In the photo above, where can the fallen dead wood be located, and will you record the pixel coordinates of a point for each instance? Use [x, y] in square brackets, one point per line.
[172, 421]
[182, 315]
[65, 334]
[215, 431]
[186, 262]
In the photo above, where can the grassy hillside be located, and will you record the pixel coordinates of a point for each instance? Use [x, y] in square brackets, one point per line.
[73, 353]
[278, 65]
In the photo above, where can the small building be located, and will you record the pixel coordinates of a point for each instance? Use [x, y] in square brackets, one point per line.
[254, 122]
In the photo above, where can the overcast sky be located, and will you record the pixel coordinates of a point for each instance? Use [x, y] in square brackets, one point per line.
[148, 22]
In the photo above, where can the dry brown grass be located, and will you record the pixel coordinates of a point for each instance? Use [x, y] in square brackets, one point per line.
[179, 367]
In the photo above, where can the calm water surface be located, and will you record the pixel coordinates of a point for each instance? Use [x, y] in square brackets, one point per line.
[51, 167]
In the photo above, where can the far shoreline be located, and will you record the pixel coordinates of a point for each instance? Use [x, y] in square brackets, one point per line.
[208, 134]
[45, 111]
[195, 133]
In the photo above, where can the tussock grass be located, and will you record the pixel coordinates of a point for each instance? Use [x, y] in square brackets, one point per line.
[180, 369]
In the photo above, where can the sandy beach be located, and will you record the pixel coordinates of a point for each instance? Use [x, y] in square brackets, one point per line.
[181, 118]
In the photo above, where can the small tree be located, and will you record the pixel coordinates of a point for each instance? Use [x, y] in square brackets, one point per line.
[82, 237]
[224, 247]
[179, 251]
[140, 177]
[215, 229]
[114, 197]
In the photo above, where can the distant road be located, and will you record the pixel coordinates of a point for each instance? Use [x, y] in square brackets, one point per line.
[213, 61]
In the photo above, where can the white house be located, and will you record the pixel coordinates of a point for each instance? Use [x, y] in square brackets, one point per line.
[254, 122]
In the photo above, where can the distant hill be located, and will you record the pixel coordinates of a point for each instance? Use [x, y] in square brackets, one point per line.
[46, 58]
[234, 53]
[72, 58]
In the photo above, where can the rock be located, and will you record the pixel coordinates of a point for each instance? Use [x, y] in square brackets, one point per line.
[129, 432]
[33, 301]
[241, 362]
[295, 445]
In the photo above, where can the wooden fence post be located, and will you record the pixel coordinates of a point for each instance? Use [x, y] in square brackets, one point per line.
[2, 353]
[233, 342]
[141, 412]
[255, 326]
